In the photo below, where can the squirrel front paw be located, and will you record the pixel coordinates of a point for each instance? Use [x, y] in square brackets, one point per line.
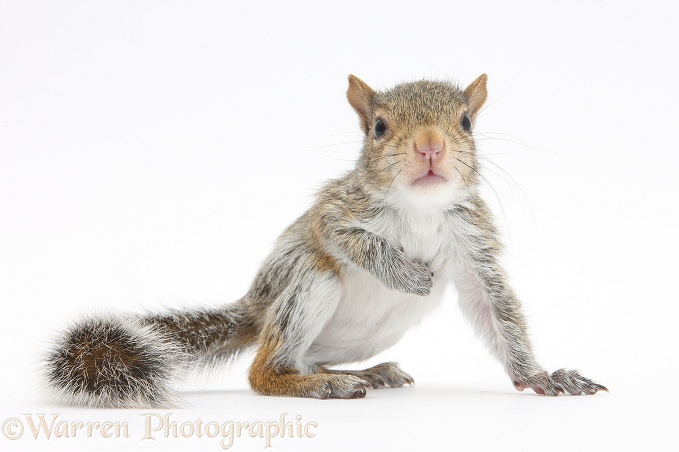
[411, 277]
[559, 382]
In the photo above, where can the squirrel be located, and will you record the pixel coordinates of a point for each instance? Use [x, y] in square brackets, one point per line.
[371, 257]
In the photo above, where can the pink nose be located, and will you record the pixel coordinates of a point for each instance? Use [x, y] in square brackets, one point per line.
[430, 151]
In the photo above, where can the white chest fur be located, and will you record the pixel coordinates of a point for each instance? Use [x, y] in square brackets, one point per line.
[371, 317]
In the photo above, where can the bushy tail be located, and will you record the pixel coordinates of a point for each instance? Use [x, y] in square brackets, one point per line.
[133, 362]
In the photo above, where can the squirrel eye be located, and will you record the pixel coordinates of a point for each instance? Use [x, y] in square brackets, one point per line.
[466, 123]
[380, 127]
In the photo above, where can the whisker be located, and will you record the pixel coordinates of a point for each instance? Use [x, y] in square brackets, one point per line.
[330, 145]
[386, 193]
[388, 155]
[497, 196]
[506, 175]
[340, 133]
[385, 169]
[337, 158]
[464, 181]
[388, 166]
[492, 102]
[513, 141]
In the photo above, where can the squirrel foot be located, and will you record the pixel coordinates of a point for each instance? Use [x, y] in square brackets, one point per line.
[379, 376]
[342, 387]
[316, 386]
[560, 382]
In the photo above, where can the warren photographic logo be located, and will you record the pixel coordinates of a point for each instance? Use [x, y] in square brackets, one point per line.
[159, 427]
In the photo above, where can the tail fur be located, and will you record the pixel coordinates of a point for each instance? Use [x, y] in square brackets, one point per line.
[133, 362]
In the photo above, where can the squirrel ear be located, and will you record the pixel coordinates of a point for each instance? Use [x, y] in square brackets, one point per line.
[360, 97]
[476, 95]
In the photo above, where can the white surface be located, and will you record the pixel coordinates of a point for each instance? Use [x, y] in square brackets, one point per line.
[151, 152]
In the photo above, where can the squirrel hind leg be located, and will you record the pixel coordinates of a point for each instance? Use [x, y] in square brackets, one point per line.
[271, 374]
[379, 376]
[295, 320]
[277, 380]
[274, 373]
[113, 362]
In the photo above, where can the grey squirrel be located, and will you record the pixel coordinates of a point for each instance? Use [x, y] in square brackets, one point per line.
[367, 261]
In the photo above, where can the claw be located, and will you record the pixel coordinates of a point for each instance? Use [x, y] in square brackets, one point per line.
[325, 392]
[379, 383]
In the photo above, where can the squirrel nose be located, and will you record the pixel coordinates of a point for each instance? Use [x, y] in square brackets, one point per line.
[429, 144]
[430, 151]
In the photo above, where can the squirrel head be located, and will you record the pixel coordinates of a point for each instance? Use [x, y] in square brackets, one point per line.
[418, 136]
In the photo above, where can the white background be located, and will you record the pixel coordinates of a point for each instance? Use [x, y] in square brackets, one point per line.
[151, 152]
